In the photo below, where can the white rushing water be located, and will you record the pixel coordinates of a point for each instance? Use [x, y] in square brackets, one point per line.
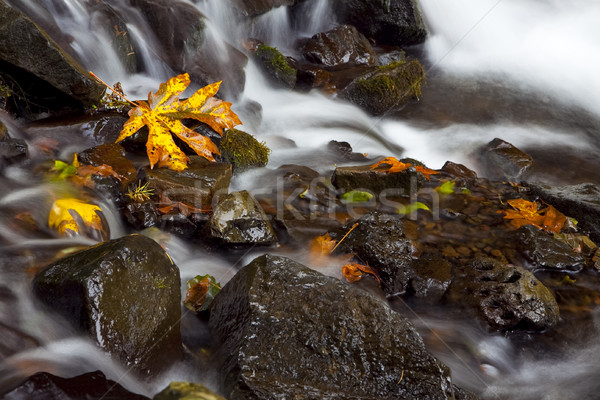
[550, 48]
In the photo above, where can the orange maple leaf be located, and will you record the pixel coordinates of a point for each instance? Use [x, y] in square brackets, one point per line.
[394, 165]
[162, 114]
[354, 272]
[526, 213]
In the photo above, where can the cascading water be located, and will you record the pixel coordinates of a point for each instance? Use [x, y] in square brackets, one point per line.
[526, 58]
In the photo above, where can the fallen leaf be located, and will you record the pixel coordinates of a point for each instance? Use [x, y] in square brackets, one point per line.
[201, 290]
[64, 211]
[446, 187]
[162, 114]
[426, 171]
[394, 165]
[356, 196]
[526, 212]
[354, 272]
[417, 205]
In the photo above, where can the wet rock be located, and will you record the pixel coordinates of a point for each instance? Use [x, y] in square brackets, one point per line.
[310, 77]
[546, 253]
[390, 57]
[239, 219]
[141, 215]
[363, 177]
[343, 151]
[112, 154]
[104, 17]
[252, 8]
[177, 224]
[286, 331]
[89, 386]
[505, 296]
[243, 151]
[392, 22]
[73, 133]
[379, 241]
[341, 46]
[42, 70]
[501, 160]
[278, 68]
[458, 170]
[126, 294]
[186, 391]
[12, 150]
[581, 202]
[431, 279]
[386, 88]
[190, 47]
[198, 185]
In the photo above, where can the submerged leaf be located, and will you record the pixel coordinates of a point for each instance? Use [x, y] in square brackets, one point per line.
[163, 114]
[201, 291]
[61, 216]
[446, 187]
[526, 213]
[417, 205]
[356, 196]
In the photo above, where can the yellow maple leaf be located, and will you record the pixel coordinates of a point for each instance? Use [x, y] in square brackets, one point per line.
[162, 114]
[61, 216]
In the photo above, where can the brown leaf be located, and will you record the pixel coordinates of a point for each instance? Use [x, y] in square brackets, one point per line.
[353, 272]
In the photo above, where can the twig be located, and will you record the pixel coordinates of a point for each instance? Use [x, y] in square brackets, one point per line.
[113, 89]
[342, 239]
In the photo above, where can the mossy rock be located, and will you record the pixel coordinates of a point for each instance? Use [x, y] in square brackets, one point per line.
[243, 151]
[186, 391]
[276, 65]
[387, 88]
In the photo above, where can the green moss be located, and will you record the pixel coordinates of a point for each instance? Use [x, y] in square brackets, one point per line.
[243, 151]
[276, 65]
[186, 391]
[388, 87]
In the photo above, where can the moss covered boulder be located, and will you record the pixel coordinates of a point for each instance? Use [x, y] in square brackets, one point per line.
[277, 67]
[386, 88]
[186, 391]
[242, 150]
[126, 294]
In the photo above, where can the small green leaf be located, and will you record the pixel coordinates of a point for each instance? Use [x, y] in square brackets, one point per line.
[201, 291]
[446, 187]
[568, 280]
[465, 190]
[356, 196]
[64, 170]
[417, 205]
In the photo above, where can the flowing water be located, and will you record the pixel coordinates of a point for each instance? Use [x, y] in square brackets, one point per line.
[521, 70]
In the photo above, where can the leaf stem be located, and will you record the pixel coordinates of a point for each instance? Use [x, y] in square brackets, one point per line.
[113, 89]
[342, 239]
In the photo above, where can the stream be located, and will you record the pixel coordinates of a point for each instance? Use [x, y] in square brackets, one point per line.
[521, 70]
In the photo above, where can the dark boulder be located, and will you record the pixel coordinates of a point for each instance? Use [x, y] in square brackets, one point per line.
[126, 294]
[112, 154]
[432, 277]
[190, 47]
[544, 252]
[286, 331]
[253, 8]
[341, 46]
[89, 386]
[505, 296]
[40, 70]
[391, 22]
[386, 88]
[197, 186]
[581, 202]
[501, 160]
[239, 219]
[379, 241]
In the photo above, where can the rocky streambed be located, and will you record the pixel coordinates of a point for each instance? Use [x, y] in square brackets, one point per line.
[298, 318]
